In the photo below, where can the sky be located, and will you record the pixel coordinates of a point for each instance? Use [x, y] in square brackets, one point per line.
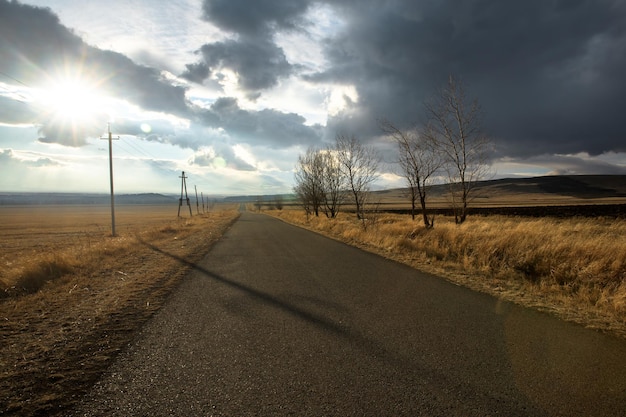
[232, 91]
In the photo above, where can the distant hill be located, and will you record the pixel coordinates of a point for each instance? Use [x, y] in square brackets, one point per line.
[584, 187]
[82, 199]
[579, 186]
[555, 196]
[255, 198]
[507, 190]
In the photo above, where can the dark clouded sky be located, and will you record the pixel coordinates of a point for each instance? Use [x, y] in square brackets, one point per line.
[231, 91]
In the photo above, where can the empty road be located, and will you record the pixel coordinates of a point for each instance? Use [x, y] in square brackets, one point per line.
[280, 321]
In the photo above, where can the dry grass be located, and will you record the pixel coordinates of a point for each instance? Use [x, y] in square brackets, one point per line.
[73, 295]
[575, 268]
[43, 243]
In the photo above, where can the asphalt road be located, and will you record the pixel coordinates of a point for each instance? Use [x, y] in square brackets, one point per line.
[279, 321]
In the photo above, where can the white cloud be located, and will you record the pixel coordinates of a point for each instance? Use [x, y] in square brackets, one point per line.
[167, 32]
[340, 98]
[296, 96]
[243, 153]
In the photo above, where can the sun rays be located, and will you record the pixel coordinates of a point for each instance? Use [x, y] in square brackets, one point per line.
[75, 106]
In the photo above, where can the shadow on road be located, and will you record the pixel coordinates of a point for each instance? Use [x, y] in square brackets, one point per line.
[315, 319]
[435, 379]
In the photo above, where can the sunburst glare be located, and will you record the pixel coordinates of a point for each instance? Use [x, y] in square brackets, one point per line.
[74, 99]
[75, 106]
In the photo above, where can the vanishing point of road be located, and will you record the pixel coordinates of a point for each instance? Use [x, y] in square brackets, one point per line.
[280, 321]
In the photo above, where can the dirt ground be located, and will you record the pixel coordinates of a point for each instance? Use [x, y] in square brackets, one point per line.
[58, 340]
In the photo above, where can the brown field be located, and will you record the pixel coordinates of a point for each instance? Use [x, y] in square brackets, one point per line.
[72, 296]
[397, 200]
[35, 235]
[573, 267]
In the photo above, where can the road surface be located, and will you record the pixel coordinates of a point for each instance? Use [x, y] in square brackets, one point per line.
[280, 321]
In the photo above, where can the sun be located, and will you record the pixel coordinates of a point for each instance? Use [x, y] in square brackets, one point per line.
[74, 106]
[73, 100]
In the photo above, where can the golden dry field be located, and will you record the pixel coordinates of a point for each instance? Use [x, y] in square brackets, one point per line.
[41, 235]
[72, 295]
[398, 199]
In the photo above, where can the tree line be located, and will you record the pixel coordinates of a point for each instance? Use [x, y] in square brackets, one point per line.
[450, 144]
[325, 177]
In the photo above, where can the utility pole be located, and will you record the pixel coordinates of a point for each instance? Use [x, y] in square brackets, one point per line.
[183, 186]
[110, 139]
[197, 204]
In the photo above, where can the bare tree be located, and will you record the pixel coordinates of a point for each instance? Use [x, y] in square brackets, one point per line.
[309, 185]
[359, 167]
[455, 125]
[333, 183]
[278, 202]
[302, 195]
[319, 182]
[419, 160]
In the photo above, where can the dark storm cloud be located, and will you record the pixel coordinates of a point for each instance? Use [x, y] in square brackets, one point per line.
[252, 18]
[197, 72]
[35, 49]
[253, 55]
[269, 127]
[141, 85]
[32, 40]
[574, 165]
[549, 74]
[258, 63]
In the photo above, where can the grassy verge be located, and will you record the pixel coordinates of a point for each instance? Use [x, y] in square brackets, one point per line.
[67, 311]
[574, 268]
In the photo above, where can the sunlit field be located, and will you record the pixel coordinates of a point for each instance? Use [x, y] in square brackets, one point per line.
[56, 239]
[575, 268]
[71, 294]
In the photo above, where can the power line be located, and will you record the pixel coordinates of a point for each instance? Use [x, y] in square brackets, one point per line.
[14, 79]
[129, 152]
[21, 97]
[139, 149]
[134, 149]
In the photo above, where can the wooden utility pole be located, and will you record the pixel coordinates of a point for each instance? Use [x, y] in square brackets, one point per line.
[197, 204]
[110, 139]
[183, 186]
